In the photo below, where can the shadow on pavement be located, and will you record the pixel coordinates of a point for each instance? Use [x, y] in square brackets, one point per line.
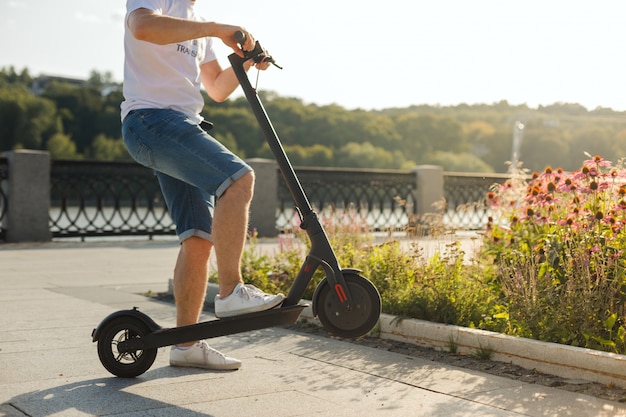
[101, 396]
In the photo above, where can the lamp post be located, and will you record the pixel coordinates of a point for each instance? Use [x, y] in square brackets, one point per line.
[518, 135]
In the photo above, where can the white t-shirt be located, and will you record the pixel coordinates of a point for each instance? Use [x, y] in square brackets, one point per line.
[164, 76]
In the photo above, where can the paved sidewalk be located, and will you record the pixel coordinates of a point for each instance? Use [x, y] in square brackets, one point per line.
[53, 295]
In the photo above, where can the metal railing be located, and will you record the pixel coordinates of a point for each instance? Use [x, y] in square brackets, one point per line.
[378, 199]
[105, 199]
[123, 198]
[4, 177]
[465, 199]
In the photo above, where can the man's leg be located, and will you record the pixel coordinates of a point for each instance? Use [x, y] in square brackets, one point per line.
[190, 282]
[230, 226]
[191, 275]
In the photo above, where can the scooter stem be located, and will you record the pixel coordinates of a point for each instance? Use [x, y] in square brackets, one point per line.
[321, 253]
[293, 184]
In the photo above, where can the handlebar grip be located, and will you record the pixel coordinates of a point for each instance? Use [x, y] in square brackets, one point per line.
[240, 37]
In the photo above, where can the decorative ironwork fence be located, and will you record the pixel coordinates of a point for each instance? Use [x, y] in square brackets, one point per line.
[465, 199]
[379, 199]
[123, 198]
[4, 176]
[105, 199]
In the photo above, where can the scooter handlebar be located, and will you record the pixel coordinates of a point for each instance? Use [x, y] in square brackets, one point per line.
[258, 54]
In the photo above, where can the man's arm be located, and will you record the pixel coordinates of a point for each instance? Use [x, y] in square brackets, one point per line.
[146, 25]
[219, 83]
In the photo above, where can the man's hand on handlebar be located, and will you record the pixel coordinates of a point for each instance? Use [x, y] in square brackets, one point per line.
[227, 35]
[260, 56]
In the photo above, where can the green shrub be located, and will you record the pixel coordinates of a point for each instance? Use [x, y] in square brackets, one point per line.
[441, 289]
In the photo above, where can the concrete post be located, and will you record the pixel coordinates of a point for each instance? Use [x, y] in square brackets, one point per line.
[430, 196]
[265, 204]
[28, 196]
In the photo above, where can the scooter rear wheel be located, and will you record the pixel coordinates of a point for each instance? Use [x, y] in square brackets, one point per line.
[124, 364]
[360, 319]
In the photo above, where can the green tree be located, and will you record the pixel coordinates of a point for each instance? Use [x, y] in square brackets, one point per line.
[327, 125]
[9, 76]
[478, 134]
[228, 139]
[316, 155]
[364, 155]
[326, 135]
[25, 120]
[98, 79]
[240, 124]
[459, 162]
[61, 146]
[80, 109]
[108, 121]
[543, 148]
[426, 133]
[620, 145]
[498, 149]
[108, 149]
[288, 116]
[594, 140]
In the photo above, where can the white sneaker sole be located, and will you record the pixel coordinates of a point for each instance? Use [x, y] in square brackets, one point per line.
[225, 367]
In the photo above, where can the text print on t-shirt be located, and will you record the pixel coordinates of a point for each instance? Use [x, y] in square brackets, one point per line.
[186, 50]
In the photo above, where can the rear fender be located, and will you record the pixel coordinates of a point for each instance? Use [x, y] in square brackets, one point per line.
[95, 334]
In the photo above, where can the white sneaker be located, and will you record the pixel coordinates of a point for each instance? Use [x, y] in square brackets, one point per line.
[201, 355]
[245, 299]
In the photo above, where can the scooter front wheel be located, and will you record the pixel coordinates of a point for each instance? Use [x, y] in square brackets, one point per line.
[356, 321]
[124, 364]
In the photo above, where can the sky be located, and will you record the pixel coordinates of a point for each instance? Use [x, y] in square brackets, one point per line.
[364, 53]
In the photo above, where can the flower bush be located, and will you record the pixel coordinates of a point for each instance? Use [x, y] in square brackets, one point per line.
[552, 266]
[557, 243]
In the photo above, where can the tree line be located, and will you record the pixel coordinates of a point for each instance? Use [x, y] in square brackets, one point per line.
[81, 121]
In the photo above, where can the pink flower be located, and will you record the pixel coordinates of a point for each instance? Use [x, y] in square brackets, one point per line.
[597, 161]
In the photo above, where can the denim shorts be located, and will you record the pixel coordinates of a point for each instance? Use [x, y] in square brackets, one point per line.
[192, 167]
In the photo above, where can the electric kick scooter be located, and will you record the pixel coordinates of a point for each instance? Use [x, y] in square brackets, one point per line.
[347, 304]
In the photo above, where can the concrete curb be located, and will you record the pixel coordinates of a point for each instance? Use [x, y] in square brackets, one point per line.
[551, 358]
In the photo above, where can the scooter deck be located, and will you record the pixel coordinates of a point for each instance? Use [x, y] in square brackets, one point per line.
[279, 316]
